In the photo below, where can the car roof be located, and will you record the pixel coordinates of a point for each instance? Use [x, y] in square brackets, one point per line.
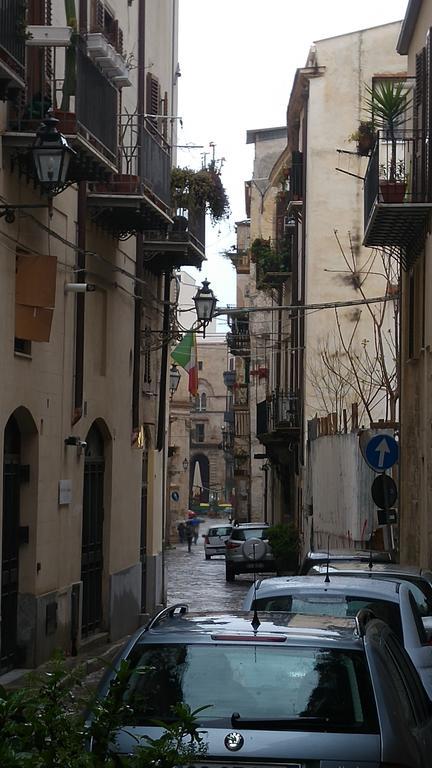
[348, 585]
[201, 627]
[323, 554]
[250, 525]
[391, 568]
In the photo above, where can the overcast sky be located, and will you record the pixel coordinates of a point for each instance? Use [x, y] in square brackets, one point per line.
[237, 60]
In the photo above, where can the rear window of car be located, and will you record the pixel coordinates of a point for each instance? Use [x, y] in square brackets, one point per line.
[243, 534]
[333, 605]
[224, 530]
[321, 688]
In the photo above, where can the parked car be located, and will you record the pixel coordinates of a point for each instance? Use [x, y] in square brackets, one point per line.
[214, 540]
[247, 550]
[420, 578]
[343, 555]
[391, 601]
[293, 691]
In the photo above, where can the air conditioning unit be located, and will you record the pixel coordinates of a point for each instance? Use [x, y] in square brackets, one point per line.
[48, 36]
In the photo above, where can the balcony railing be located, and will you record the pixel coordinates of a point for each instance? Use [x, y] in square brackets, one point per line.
[279, 413]
[238, 339]
[398, 192]
[229, 378]
[274, 260]
[12, 42]
[86, 105]
[238, 343]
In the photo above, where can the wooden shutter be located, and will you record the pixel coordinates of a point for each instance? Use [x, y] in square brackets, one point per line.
[97, 16]
[120, 40]
[152, 99]
[419, 127]
[427, 119]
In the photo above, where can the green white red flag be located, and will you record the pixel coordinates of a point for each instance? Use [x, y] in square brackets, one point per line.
[185, 355]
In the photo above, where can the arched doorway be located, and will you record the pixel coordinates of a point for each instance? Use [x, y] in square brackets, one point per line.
[10, 543]
[92, 532]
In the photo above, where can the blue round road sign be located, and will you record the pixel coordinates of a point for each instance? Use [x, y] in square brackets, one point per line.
[175, 495]
[382, 451]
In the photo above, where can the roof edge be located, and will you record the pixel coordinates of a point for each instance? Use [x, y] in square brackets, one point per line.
[408, 26]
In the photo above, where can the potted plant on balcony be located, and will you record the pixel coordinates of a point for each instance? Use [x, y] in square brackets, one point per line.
[195, 190]
[392, 182]
[387, 104]
[365, 137]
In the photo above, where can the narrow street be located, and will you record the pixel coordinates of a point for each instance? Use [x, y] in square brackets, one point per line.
[200, 582]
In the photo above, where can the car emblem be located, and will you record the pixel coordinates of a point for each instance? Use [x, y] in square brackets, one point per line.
[234, 741]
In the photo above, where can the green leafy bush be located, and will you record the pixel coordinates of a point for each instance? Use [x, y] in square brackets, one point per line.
[200, 189]
[284, 541]
[42, 725]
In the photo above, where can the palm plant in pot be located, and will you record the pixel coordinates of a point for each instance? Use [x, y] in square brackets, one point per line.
[387, 104]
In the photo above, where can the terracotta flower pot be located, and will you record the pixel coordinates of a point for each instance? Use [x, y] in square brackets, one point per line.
[392, 191]
[67, 120]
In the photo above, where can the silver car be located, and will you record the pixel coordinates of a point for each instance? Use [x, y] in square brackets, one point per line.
[392, 601]
[214, 540]
[248, 551]
[283, 690]
[420, 578]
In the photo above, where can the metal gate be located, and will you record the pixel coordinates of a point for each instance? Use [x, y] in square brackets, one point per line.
[92, 532]
[10, 544]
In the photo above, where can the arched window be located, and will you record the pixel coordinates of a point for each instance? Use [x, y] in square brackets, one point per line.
[203, 406]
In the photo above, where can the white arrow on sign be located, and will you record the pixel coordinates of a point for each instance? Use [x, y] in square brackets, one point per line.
[382, 448]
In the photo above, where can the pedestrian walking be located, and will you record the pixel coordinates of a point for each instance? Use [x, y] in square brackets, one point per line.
[181, 529]
[189, 533]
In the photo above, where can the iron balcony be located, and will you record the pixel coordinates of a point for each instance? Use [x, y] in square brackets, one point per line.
[278, 419]
[398, 193]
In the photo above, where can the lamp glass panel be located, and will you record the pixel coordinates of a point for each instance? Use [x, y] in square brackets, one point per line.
[48, 161]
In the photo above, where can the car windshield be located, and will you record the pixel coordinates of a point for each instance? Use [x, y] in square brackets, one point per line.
[257, 682]
[243, 534]
[332, 605]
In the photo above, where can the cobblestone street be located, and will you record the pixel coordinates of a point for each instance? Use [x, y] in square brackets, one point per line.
[200, 582]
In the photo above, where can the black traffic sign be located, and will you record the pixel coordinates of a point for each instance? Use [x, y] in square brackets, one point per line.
[387, 517]
[384, 491]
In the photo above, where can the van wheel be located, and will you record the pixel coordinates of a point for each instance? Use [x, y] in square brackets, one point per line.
[229, 574]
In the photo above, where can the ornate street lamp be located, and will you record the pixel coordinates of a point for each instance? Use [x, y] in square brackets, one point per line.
[185, 464]
[51, 155]
[174, 379]
[205, 304]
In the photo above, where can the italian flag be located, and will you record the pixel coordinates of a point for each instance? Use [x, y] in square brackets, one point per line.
[185, 355]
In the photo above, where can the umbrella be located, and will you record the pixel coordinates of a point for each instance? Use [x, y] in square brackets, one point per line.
[197, 481]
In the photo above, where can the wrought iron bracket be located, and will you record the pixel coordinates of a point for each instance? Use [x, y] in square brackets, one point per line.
[8, 210]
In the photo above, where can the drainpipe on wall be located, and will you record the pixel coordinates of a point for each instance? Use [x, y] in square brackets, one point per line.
[139, 263]
[80, 305]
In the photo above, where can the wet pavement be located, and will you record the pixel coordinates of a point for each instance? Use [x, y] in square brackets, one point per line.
[199, 582]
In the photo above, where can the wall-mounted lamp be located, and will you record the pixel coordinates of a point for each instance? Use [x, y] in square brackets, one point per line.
[174, 379]
[76, 442]
[79, 287]
[185, 465]
[51, 155]
[205, 304]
